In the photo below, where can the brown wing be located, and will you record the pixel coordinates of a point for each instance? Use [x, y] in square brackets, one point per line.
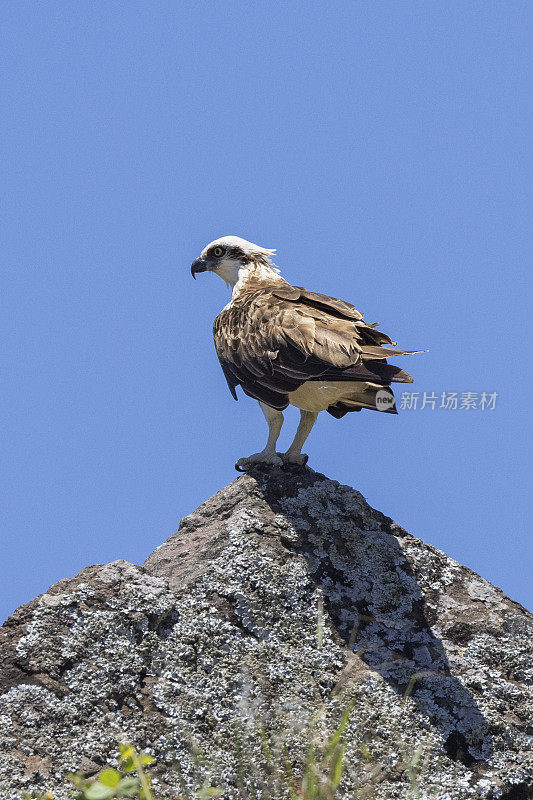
[272, 340]
[329, 304]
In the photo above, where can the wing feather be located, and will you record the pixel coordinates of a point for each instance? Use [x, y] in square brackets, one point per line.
[273, 338]
[331, 305]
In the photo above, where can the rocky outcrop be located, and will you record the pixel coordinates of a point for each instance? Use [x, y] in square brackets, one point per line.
[280, 601]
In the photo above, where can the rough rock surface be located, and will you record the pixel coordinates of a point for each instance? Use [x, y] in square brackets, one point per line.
[279, 601]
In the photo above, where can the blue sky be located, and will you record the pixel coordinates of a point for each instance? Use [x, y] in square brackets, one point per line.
[383, 148]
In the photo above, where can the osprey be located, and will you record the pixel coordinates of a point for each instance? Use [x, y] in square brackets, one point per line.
[286, 345]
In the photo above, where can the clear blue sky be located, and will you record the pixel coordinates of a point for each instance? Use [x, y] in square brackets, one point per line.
[383, 148]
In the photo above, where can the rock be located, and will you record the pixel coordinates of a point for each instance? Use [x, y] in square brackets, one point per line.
[280, 601]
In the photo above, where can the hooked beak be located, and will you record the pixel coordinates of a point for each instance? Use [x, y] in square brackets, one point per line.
[199, 264]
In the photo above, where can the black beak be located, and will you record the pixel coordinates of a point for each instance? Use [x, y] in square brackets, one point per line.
[199, 264]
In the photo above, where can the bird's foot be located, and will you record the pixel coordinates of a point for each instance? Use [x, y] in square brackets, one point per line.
[295, 458]
[271, 459]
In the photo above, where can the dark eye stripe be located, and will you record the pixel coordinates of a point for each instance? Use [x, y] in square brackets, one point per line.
[229, 252]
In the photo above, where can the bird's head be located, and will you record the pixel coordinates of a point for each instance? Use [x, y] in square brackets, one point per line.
[229, 256]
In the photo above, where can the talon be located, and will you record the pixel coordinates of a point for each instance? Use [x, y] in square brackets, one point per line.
[272, 459]
[295, 458]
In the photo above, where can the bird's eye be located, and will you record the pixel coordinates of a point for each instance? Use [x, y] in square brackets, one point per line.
[218, 251]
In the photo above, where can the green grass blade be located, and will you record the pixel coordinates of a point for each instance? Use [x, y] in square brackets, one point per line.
[335, 739]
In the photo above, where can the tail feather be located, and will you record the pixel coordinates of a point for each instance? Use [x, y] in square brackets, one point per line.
[372, 397]
[374, 351]
[377, 371]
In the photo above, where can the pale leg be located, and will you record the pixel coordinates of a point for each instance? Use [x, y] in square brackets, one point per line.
[294, 454]
[268, 455]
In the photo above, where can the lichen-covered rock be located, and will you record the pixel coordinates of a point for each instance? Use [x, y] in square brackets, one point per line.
[278, 603]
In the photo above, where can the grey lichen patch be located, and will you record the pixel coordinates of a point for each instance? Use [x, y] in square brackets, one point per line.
[278, 602]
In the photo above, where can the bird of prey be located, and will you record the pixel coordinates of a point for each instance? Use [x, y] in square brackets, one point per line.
[286, 345]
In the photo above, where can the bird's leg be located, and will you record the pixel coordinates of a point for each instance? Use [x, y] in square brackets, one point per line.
[294, 454]
[268, 455]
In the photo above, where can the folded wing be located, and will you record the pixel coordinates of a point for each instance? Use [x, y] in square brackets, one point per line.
[270, 340]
